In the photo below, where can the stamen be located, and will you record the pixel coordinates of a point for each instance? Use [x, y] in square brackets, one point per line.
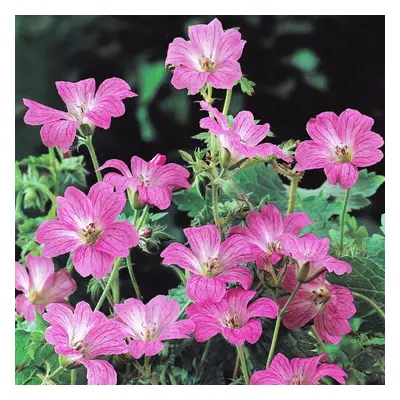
[207, 65]
[343, 154]
[213, 267]
[91, 234]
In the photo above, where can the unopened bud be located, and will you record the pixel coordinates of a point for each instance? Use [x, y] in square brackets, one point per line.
[224, 158]
[152, 246]
[302, 271]
[266, 273]
[86, 129]
[146, 232]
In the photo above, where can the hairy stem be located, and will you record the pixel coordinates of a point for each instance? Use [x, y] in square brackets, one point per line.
[214, 195]
[147, 367]
[73, 376]
[172, 379]
[114, 273]
[243, 364]
[54, 167]
[142, 218]
[236, 369]
[370, 302]
[206, 350]
[115, 288]
[109, 297]
[294, 183]
[227, 103]
[89, 144]
[184, 308]
[320, 341]
[133, 278]
[55, 373]
[342, 216]
[278, 324]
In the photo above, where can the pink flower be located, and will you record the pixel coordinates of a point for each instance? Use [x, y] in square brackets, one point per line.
[340, 144]
[232, 317]
[212, 264]
[83, 335]
[264, 231]
[41, 286]
[148, 325]
[330, 305]
[86, 227]
[243, 138]
[84, 107]
[311, 255]
[209, 57]
[298, 371]
[153, 181]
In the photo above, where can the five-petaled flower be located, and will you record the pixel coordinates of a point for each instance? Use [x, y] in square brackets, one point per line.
[84, 107]
[40, 285]
[242, 140]
[232, 317]
[86, 227]
[209, 57]
[298, 371]
[340, 144]
[264, 229]
[311, 256]
[148, 325]
[212, 264]
[153, 181]
[330, 305]
[83, 335]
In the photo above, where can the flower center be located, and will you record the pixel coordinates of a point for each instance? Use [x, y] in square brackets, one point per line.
[233, 321]
[91, 234]
[297, 380]
[144, 179]
[343, 154]
[321, 296]
[213, 268]
[78, 111]
[34, 297]
[207, 65]
[274, 247]
[149, 332]
[82, 347]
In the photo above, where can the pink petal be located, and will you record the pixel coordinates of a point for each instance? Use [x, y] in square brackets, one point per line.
[227, 72]
[365, 149]
[23, 307]
[189, 78]
[178, 254]
[61, 316]
[345, 174]
[104, 109]
[306, 367]
[241, 275]
[295, 222]
[323, 129]
[230, 45]
[200, 288]
[251, 332]
[21, 278]
[219, 125]
[133, 314]
[352, 123]
[138, 166]
[40, 269]
[58, 336]
[100, 372]
[59, 133]
[263, 307]
[162, 311]
[234, 251]
[204, 242]
[139, 347]
[88, 260]
[56, 238]
[277, 373]
[206, 319]
[117, 164]
[178, 330]
[159, 159]
[76, 93]
[62, 286]
[39, 114]
[107, 204]
[180, 52]
[339, 267]
[330, 328]
[331, 370]
[114, 87]
[158, 196]
[173, 175]
[312, 155]
[341, 302]
[238, 299]
[118, 238]
[205, 38]
[120, 182]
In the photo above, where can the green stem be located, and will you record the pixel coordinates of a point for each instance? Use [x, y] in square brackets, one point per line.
[114, 273]
[243, 364]
[320, 341]
[54, 166]
[115, 288]
[18, 202]
[109, 297]
[236, 369]
[133, 278]
[278, 324]
[184, 308]
[342, 216]
[227, 103]
[178, 271]
[73, 376]
[55, 373]
[214, 195]
[147, 367]
[370, 302]
[142, 217]
[89, 144]
[205, 352]
[294, 183]
[172, 379]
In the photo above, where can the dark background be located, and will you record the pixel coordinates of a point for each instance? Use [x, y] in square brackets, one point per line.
[302, 65]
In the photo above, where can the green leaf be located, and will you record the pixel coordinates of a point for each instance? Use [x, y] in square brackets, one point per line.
[22, 339]
[179, 294]
[383, 223]
[375, 249]
[151, 75]
[157, 216]
[40, 327]
[189, 200]
[27, 376]
[73, 172]
[305, 60]
[247, 86]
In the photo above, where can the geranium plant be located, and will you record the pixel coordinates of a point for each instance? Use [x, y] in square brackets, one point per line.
[279, 283]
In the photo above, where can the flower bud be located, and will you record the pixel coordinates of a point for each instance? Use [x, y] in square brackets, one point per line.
[302, 271]
[86, 129]
[224, 158]
[146, 232]
[267, 278]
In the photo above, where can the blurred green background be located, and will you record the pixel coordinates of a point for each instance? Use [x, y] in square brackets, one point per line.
[302, 65]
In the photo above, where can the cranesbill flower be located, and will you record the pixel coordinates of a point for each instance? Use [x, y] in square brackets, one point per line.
[83, 335]
[243, 139]
[209, 57]
[40, 285]
[212, 264]
[232, 317]
[264, 230]
[311, 256]
[153, 181]
[84, 107]
[340, 144]
[298, 371]
[86, 227]
[330, 305]
[148, 325]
